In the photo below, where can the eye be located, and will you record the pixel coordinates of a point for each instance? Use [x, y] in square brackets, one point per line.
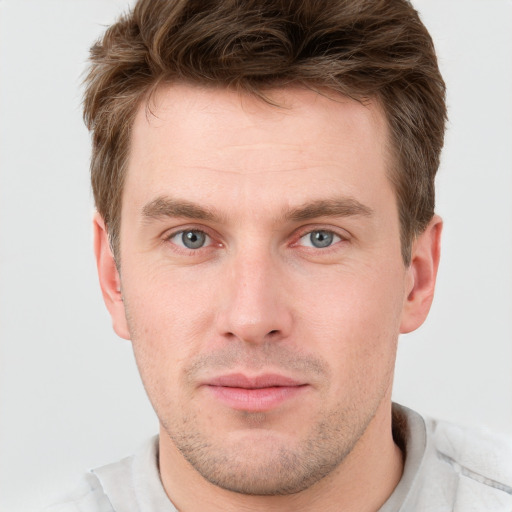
[190, 239]
[319, 239]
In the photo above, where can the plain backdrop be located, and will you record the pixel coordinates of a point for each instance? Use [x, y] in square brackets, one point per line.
[70, 395]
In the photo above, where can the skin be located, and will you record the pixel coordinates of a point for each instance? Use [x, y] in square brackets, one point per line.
[260, 298]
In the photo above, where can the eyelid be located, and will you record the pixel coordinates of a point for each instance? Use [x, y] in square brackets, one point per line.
[208, 238]
[169, 234]
[215, 242]
[335, 235]
[306, 230]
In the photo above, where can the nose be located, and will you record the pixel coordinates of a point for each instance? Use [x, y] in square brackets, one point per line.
[255, 306]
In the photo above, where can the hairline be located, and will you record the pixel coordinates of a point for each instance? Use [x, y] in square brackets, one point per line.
[146, 99]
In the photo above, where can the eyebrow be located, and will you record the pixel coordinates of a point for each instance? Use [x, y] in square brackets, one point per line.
[339, 207]
[170, 207]
[165, 206]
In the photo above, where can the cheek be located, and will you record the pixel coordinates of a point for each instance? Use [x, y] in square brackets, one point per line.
[363, 298]
[162, 341]
[355, 320]
[165, 302]
[169, 320]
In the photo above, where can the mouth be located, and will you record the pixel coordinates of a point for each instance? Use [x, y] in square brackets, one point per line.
[254, 394]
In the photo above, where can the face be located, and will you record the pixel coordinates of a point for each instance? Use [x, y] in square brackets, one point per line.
[262, 281]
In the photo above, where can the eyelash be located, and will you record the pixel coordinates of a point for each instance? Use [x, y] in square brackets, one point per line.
[308, 230]
[187, 250]
[305, 231]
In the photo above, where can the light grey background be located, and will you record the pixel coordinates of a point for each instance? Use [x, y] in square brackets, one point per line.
[70, 395]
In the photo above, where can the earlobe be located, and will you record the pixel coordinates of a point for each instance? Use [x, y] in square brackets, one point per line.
[109, 278]
[421, 276]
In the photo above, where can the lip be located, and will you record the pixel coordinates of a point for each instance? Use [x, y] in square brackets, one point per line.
[254, 394]
[267, 380]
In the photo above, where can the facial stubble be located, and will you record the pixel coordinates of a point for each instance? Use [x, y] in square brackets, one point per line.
[264, 460]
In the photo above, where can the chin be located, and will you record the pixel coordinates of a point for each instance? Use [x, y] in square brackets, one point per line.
[263, 463]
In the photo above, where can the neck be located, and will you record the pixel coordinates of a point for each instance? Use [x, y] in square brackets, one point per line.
[362, 482]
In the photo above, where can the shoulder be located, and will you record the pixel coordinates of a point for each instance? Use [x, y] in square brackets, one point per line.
[450, 468]
[88, 496]
[129, 485]
[476, 453]
[480, 460]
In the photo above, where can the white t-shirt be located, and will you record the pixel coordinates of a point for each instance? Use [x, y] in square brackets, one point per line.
[447, 469]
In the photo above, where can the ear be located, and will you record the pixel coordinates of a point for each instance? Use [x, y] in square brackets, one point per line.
[110, 281]
[421, 276]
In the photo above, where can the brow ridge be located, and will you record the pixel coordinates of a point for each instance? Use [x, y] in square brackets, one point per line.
[337, 207]
[164, 206]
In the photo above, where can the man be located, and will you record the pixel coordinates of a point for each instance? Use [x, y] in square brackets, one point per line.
[264, 179]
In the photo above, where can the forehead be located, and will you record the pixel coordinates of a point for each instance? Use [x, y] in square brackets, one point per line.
[297, 113]
[305, 142]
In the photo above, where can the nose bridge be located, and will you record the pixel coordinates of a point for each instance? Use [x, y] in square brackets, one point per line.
[256, 308]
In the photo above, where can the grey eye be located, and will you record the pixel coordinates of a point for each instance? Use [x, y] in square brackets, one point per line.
[319, 239]
[191, 239]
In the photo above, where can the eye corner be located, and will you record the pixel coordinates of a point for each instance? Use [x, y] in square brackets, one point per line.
[189, 239]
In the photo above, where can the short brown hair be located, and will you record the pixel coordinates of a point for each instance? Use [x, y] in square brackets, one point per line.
[363, 49]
